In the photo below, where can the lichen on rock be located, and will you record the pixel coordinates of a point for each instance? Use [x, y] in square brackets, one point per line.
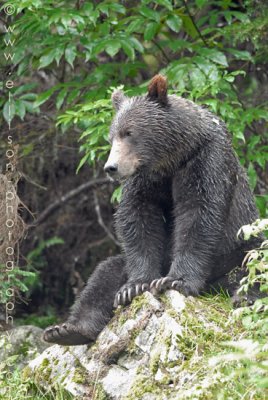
[154, 349]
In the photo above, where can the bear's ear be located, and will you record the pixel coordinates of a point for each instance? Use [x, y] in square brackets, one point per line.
[117, 98]
[157, 89]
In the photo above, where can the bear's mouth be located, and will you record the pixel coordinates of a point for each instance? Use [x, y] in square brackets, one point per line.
[118, 178]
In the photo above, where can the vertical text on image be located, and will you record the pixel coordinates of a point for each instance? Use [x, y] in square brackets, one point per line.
[9, 54]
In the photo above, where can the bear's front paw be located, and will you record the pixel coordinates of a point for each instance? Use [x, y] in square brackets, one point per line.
[65, 334]
[128, 291]
[179, 284]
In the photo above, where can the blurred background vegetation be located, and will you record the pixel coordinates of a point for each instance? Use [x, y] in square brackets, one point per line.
[67, 58]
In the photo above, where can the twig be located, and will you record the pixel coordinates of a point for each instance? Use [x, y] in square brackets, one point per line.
[100, 220]
[28, 179]
[72, 193]
[162, 50]
[193, 21]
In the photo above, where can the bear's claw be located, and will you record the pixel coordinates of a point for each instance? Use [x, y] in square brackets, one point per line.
[127, 293]
[159, 285]
[65, 334]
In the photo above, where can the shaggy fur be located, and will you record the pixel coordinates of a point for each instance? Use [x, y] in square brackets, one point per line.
[185, 196]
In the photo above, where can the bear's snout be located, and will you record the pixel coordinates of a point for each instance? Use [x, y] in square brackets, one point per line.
[122, 161]
[111, 169]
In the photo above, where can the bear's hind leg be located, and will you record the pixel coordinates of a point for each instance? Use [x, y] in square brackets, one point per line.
[93, 308]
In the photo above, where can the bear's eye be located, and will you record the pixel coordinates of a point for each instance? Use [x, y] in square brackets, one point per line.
[127, 133]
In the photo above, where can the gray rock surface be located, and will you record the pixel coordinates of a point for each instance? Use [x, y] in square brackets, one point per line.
[25, 342]
[139, 355]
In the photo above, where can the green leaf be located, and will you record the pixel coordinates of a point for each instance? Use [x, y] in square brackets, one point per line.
[240, 54]
[179, 44]
[137, 44]
[93, 16]
[46, 59]
[9, 110]
[27, 149]
[252, 176]
[218, 58]
[229, 78]
[189, 26]
[60, 98]
[128, 49]
[87, 8]
[117, 195]
[151, 30]
[212, 103]
[165, 3]
[149, 13]
[44, 97]
[104, 28]
[30, 107]
[200, 3]
[20, 109]
[104, 8]
[23, 66]
[135, 25]
[214, 55]
[59, 51]
[119, 8]
[70, 54]
[174, 22]
[243, 17]
[82, 162]
[73, 95]
[28, 96]
[112, 47]
[24, 88]
[66, 21]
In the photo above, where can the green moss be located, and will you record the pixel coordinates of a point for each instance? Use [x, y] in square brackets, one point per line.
[24, 348]
[99, 393]
[79, 377]
[137, 304]
[132, 345]
[80, 374]
[205, 323]
[154, 362]
[26, 373]
[28, 384]
[44, 363]
[121, 316]
[43, 372]
[142, 385]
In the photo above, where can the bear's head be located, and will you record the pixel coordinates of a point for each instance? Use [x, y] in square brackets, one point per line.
[138, 132]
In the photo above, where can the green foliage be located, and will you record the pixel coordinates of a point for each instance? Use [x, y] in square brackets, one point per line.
[18, 280]
[16, 385]
[92, 118]
[41, 321]
[117, 194]
[251, 352]
[34, 258]
[20, 102]
[36, 261]
[21, 280]
[200, 45]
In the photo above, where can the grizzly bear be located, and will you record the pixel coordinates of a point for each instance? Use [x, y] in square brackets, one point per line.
[184, 198]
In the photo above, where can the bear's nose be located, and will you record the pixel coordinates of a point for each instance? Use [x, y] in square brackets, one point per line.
[111, 168]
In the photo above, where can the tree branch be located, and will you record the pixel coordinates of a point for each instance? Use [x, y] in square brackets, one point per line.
[194, 23]
[66, 197]
[100, 220]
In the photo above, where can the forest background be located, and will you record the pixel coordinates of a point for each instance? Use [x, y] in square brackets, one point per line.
[65, 59]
